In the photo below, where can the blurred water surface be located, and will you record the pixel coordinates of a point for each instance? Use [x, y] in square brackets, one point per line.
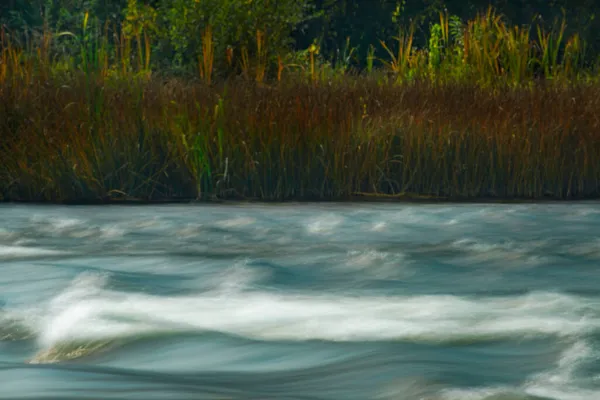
[300, 301]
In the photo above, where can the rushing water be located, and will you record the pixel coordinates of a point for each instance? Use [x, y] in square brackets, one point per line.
[300, 302]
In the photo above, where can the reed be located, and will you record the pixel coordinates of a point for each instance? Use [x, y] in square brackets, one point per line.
[151, 139]
[400, 62]
[261, 56]
[550, 45]
[206, 59]
[478, 123]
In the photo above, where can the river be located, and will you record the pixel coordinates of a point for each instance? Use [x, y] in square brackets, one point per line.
[300, 301]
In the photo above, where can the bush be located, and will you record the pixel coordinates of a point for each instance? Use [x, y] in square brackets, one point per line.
[234, 25]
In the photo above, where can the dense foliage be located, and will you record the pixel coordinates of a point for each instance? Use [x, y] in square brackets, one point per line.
[288, 27]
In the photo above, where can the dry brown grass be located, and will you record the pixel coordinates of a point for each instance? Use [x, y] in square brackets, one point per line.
[86, 140]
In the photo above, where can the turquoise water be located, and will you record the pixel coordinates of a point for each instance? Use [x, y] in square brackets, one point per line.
[300, 301]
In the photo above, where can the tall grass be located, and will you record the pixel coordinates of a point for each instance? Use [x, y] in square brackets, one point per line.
[206, 59]
[400, 62]
[489, 51]
[157, 140]
[472, 120]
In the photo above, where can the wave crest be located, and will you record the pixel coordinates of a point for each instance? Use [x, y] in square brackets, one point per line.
[90, 312]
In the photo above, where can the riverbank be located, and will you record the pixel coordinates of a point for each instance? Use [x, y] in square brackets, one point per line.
[77, 139]
[351, 200]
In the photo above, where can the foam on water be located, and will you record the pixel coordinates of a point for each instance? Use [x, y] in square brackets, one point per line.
[378, 226]
[88, 311]
[508, 253]
[375, 264]
[8, 252]
[563, 381]
[324, 224]
[560, 382]
[235, 222]
[75, 228]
